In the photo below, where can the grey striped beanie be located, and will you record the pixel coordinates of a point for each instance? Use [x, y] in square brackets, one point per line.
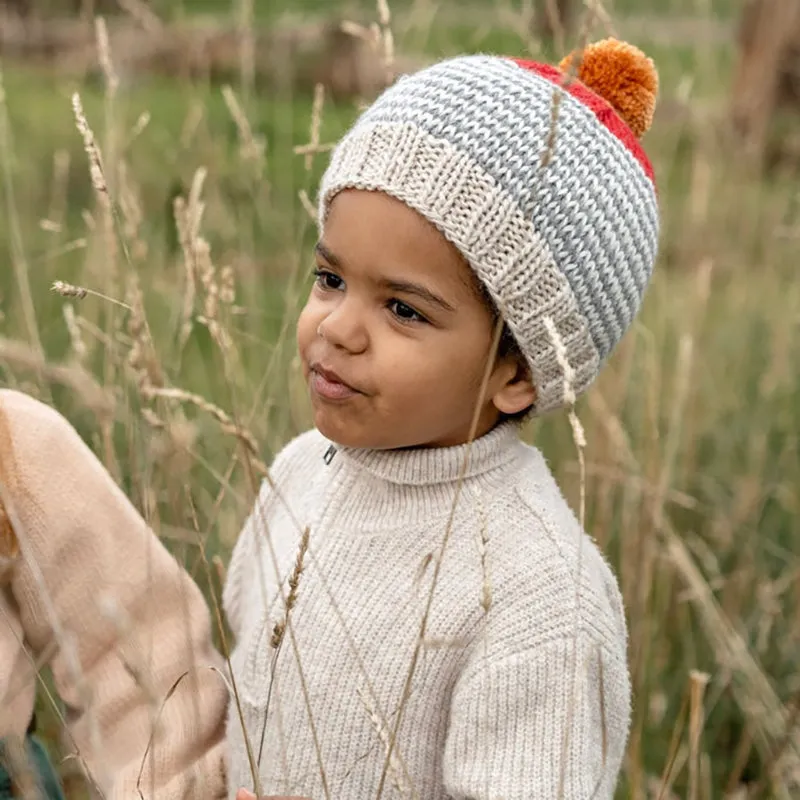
[535, 173]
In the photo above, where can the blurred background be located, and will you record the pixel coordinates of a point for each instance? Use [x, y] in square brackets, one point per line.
[181, 220]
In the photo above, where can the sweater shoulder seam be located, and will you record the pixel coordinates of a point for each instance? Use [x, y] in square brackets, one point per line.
[546, 527]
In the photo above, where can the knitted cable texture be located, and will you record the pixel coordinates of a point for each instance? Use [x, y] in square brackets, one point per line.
[522, 677]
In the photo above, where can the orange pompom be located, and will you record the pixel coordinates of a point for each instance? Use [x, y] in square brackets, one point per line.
[623, 76]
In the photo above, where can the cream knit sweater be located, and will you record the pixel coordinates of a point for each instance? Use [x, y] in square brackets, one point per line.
[86, 587]
[521, 685]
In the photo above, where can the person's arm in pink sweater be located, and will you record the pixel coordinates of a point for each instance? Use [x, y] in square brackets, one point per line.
[94, 591]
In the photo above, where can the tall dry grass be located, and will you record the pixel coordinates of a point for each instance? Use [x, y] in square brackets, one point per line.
[183, 251]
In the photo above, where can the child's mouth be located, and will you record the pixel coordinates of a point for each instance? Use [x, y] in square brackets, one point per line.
[328, 385]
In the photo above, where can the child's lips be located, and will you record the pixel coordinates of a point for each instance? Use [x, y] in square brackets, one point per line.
[328, 385]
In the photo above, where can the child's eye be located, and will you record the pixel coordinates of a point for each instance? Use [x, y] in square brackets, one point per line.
[404, 312]
[328, 280]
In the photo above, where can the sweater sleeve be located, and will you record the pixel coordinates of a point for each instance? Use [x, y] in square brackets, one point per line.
[116, 615]
[518, 728]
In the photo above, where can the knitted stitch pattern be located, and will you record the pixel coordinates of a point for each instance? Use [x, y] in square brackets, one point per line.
[562, 226]
[521, 688]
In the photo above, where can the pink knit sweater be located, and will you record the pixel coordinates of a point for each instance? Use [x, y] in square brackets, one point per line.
[86, 587]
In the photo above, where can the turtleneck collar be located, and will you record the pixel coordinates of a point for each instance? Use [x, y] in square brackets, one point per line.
[422, 466]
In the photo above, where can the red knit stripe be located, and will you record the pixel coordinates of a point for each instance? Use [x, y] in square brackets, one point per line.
[602, 109]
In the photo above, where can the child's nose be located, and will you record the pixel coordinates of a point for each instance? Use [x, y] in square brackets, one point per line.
[344, 327]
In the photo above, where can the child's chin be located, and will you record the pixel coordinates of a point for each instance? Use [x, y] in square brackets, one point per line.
[346, 433]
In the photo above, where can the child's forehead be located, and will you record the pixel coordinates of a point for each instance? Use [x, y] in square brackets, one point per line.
[375, 234]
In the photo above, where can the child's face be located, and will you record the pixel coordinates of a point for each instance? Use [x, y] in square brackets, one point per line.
[395, 338]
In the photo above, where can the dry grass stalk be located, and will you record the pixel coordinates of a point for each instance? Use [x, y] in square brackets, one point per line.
[143, 14]
[486, 604]
[99, 181]
[233, 690]
[483, 545]
[247, 45]
[154, 728]
[58, 194]
[664, 787]
[603, 16]
[188, 218]
[555, 24]
[316, 123]
[279, 629]
[378, 36]
[384, 13]
[219, 569]
[356, 31]
[751, 687]
[49, 226]
[579, 439]
[397, 770]
[294, 578]
[96, 172]
[69, 290]
[17, 248]
[142, 356]
[587, 23]
[578, 433]
[75, 336]
[251, 148]
[132, 215]
[199, 267]
[191, 124]
[142, 121]
[313, 149]
[437, 567]
[208, 279]
[69, 247]
[20, 355]
[81, 292]
[223, 418]
[227, 286]
[386, 38]
[308, 206]
[104, 56]
[698, 682]
[603, 720]
[294, 582]
[183, 224]
[307, 701]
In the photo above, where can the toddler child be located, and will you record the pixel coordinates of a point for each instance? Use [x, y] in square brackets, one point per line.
[454, 632]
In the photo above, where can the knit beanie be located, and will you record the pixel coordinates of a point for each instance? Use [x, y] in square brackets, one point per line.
[535, 173]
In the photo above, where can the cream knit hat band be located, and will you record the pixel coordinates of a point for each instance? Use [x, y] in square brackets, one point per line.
[571, 241]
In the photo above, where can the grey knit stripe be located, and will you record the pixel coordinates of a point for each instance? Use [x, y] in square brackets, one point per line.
[485, 222]
[593, 203]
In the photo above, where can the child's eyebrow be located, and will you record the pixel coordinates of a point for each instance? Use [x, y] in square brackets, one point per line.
[392, 285]
[327, 255]
[420, 291]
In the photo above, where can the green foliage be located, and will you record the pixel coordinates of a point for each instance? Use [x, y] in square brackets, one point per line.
[692, 430]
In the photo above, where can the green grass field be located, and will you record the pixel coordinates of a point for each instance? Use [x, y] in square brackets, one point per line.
[693, 461]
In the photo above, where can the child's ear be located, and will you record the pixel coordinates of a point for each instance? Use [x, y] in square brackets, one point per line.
[516, 392]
